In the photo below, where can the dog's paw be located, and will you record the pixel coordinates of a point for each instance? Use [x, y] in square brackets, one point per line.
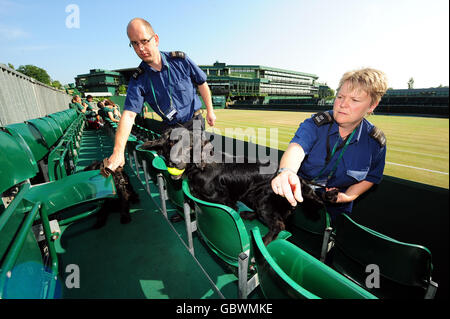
[330, 196]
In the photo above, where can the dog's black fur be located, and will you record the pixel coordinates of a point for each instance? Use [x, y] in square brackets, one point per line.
[125, 192]
[227, 183]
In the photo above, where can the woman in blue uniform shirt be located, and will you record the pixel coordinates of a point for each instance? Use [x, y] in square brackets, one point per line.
[338, 149]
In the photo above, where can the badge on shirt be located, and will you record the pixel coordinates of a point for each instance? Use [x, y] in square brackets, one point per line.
[322, 118]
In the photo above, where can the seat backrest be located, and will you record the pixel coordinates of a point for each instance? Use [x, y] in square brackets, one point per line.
[405, 269]
[221, 227]
[17, 163]
[286, 271]
[174, 187]
[307, 225]
[62, 118]
[22, 272]
[55, 124]
[32, 137]
[47, 129]
[71, 113]
[148, 155]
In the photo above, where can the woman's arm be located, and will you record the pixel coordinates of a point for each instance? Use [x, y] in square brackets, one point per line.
[353, 192]
[287, 183]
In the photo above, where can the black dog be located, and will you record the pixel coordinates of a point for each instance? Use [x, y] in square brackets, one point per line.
[125, 192]
[226, 183]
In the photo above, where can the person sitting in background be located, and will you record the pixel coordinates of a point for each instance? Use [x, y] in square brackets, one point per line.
[110, 111]
[79, 106]
[338, 149]
[92, 117]
[116, 108]
[89, 100]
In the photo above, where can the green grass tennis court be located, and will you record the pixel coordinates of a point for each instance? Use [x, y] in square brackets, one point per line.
[418, 147]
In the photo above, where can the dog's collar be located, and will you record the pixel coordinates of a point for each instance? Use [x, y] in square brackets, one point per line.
[175, 171]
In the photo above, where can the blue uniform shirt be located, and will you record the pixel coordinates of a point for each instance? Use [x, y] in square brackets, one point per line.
[363, 159]
[184, 75]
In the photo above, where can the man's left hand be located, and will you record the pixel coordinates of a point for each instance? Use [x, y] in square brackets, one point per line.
[211, 118]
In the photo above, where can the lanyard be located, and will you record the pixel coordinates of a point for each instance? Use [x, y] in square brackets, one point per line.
[331, 156]
[170, 89]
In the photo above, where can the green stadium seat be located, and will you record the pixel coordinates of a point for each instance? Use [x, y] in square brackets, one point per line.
[64, 156]
[286, 271]
[19, 165]
[227, 235]
[56, 126]
[146, 158]
[47, 129]
[33, 138]
[25, 204]
[225, 232]
[404, 269]
[63, 118]
[173, 187]
[310, 227]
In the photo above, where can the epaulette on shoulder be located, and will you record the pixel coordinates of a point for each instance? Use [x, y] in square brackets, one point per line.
[137, 72]
[378, 135]
[322, 118]
[177, 54]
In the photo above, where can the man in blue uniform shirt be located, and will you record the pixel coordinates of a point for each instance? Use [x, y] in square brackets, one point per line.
[338, 149]
[167, 81]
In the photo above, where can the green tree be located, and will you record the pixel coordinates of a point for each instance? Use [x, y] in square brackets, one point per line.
[35, 72]
[57, 84]
[11, 66]
[122, 89]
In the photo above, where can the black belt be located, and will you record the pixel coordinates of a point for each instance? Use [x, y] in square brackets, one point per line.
[189, 124]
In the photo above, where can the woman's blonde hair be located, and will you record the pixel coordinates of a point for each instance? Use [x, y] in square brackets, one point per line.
[373, 82]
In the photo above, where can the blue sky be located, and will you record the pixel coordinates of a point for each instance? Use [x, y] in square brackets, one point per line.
[404, 38]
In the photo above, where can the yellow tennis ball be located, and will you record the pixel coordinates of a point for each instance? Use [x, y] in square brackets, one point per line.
[175, 171]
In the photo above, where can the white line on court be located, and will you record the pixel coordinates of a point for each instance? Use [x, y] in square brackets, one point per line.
[417, 153]
[423, 169]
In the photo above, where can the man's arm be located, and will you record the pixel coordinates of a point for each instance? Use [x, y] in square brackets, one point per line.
[126, 122]
[205, 93]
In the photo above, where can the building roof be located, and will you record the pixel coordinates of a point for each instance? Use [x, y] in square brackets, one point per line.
[219, 65]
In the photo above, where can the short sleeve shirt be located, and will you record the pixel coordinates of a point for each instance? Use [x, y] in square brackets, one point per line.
[185, 75]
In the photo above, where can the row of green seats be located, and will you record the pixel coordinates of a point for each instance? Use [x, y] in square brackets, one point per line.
[42, 134]
[63, 158]
[405, 269]
[29, 213]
